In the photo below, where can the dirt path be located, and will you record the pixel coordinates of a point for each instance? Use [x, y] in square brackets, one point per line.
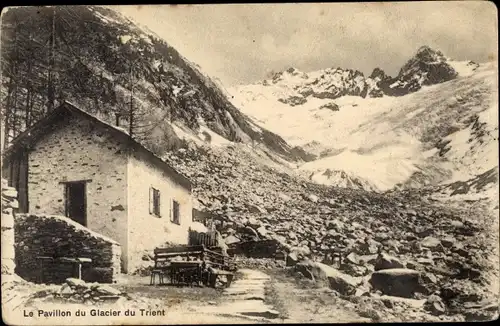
[310, 305]
[262, 298]
[244, 299]
[254, 297]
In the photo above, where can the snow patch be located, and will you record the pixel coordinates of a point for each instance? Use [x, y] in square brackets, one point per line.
[125, 38]
[215, 139]
[463, 68]
[176, 89]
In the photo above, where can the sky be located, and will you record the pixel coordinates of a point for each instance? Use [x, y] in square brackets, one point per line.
[244, 43]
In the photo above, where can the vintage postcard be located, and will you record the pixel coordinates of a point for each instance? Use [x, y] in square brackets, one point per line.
[249, 163]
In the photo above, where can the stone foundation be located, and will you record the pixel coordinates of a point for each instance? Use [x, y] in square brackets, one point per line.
[58, 236]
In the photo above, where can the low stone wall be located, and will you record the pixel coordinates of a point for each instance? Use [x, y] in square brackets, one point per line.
[9, 203]
[59, 236]
[257, 249]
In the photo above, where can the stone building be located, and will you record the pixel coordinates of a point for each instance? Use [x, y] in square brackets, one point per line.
[70, 163]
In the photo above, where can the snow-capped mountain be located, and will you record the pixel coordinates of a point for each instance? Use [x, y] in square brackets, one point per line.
[434, 123]
[427, 67]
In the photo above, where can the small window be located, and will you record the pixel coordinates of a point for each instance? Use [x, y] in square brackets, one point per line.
[176, 216]
[154, 201]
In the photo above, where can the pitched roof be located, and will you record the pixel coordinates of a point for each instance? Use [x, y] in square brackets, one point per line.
[43, 126]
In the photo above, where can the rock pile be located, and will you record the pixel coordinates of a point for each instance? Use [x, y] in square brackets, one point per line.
[58, 236]
[9, 203]
[259, 263]
[78, 291]
[258, 199]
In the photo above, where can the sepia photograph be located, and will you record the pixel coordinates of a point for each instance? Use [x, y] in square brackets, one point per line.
[250, 163]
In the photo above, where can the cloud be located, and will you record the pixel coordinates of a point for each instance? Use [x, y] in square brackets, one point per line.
[241, 43]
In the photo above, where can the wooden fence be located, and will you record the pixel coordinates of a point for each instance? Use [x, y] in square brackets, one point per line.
[208, 239]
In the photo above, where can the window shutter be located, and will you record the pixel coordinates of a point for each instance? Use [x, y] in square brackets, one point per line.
[151, 200]
[178, 213]
[170, 211]
[159, 205]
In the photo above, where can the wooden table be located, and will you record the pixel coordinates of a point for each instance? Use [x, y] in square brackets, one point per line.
[79, 261]
[187, 271]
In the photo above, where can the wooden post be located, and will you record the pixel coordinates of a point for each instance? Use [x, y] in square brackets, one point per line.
[79, 270]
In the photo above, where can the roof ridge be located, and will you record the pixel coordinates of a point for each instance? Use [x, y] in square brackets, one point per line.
[67, 105]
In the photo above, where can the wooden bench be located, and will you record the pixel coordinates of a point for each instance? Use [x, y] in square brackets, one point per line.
[188, 252]
[194, 266]
[163, 261]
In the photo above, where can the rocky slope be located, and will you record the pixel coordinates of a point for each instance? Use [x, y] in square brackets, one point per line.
[434, 123]
[448, 244]
[100, 60]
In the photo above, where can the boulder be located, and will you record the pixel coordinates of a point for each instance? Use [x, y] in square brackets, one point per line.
[335, 225]
[384, 261]
[75, 282]
[231, 239]
[338, 281]
[284, 197]
[262, 231]
[448, 242]
[313, 198]
[250, 231]
[370, 246]
[430, 242]
[253, 222]
[367, 259]
[456, 224]
[256, 209]
[301, 251]
[352, 258]
[66, 290]
[292, 259]
[400, 282]
[303, 268]
[435, 305]
[108, 290]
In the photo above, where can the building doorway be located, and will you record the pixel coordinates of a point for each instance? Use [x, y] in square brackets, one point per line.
[76, 201]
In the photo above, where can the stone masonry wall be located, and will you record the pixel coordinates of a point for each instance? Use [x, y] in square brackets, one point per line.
[79, 150]
[147, 231]
[56, 236]
[9, 203]
[257, 249]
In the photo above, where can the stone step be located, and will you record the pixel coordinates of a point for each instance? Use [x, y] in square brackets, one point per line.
[255, 278]
[249, 296]
[248, 281]
[245, 293]
[243, 286]
[239, 288]
[241, 291]
[269, 314]
[248, 284]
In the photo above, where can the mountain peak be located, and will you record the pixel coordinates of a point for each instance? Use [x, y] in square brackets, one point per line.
[287, 74]
[426, 48]
[426, 53]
